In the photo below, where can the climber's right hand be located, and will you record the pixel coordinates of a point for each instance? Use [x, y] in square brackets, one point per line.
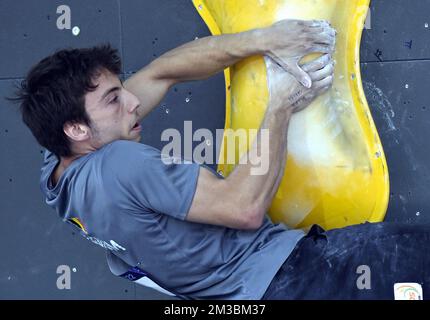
[287, 93]
[288, 41]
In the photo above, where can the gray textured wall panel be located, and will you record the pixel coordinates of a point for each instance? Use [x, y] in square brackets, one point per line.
[29, 30]
[400, 30]
[398, 96]
[151, 28]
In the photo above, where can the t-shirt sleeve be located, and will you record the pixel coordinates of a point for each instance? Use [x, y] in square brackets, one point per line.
[155, 183]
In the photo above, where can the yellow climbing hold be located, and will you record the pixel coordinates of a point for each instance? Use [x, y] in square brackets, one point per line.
[336, 172]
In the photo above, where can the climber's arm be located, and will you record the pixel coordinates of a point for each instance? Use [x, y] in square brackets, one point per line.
[198, 59]
[243, 198]
[286, 42]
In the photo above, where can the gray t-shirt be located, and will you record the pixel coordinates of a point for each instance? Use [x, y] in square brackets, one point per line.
[126, 199]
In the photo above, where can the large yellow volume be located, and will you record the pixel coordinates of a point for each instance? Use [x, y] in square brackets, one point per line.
[336, 173]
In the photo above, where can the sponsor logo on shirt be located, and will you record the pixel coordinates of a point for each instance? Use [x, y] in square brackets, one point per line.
[111, 245]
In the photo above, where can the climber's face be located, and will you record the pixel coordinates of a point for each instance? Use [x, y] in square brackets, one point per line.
[113, 113]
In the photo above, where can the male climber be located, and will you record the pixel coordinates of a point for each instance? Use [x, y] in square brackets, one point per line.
[180, 225]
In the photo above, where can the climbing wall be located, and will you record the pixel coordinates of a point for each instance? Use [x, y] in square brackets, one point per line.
[395, 55]
[35, 244]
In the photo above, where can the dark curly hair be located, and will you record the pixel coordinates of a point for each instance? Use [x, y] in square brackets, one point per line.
[53, 92]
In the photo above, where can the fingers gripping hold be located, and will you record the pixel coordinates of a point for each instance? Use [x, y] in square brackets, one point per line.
[322, 73]
[317, 64]
[326, 82]
[301, 76]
